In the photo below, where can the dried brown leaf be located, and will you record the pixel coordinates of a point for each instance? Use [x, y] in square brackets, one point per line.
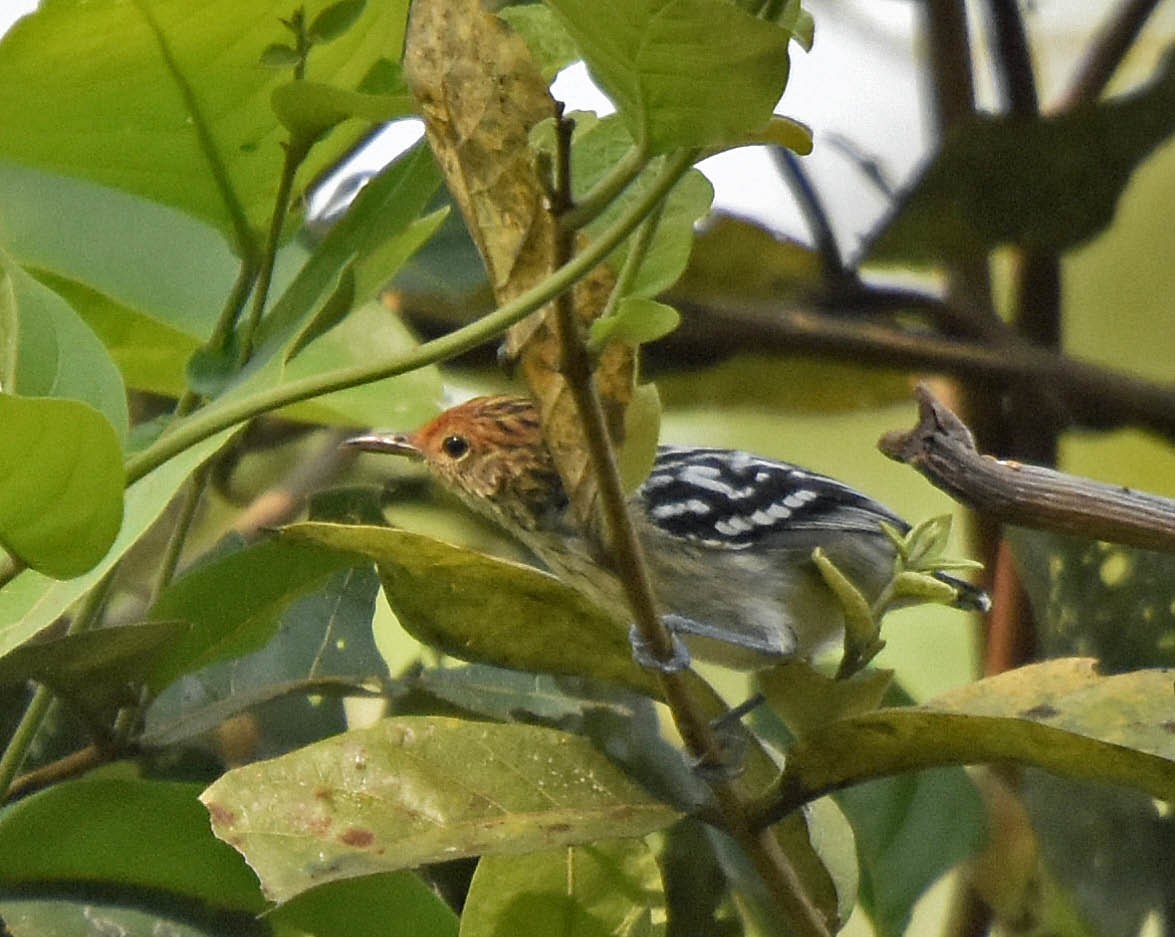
[481, 93]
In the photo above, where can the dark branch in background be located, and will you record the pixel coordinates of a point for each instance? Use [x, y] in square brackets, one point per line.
[1093, 396]
[1107, 52]
[942, 448]
[812, 207]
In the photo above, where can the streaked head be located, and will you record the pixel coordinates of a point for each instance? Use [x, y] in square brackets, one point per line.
[489, 451]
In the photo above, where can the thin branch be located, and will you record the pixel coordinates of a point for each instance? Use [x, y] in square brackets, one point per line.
[605, 191]
[1106, 53]
[812, 208]
[293, 153]
[1091, 395]
[942, 449]
[627, 555]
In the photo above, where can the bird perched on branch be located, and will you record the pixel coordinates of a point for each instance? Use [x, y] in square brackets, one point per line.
[728, 536]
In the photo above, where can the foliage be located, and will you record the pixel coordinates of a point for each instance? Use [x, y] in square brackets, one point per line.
[180, 357]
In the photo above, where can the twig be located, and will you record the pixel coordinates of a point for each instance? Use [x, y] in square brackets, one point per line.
[627, 554]
[1106, 53]
[943, 450]
[814, 214]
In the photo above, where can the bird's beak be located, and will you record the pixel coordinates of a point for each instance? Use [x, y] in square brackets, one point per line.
[389, 443]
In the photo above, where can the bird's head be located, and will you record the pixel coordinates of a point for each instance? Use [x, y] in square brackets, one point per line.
[490, 452]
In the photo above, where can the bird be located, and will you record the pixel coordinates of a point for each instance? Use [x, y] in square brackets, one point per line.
[727, 535]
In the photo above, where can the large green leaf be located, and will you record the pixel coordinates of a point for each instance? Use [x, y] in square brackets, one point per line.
[681, 72]
[150, 355]
[234, 603]
[134, 834]
[479, 608]
[33, 601]
[610, 887]
[117, 244]
[201, 135]
[50, 352]
[94, 667]
[61, 484]
[1060, 715]
[1044, 182]
[394, 904]
[322, 637]
[410, 791]
[910, 830]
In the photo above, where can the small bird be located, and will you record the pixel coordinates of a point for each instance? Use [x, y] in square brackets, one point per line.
[728, 536]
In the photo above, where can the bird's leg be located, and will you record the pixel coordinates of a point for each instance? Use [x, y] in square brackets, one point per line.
[642, 649]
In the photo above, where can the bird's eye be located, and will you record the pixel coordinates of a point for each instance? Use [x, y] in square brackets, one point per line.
[455, 446]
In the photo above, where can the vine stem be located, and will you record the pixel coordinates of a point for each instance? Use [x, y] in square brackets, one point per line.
[229, 411]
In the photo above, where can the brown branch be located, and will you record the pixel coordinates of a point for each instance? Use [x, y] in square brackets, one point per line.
[627, 558]
[1106, 53]
[1089, 395]
[943, 450]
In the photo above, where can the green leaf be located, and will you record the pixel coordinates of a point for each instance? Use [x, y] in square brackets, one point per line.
[201, 136]
[1082, 592]
[409, 791]
[609, 887]
[106, 244]
[783, 131]
[806, 699]
[386, 211]
[322, 635]
[394, 904]
[233, 603]
[52, 352]
[642, 429]
[308, 109]
[1047, 183]
[278, 55]
[131, 834]
[150, 356]
[597, 146]
[335, 20]
[479, 608]
[1059, 715]
[33, 601]
[550, 44]
[635, 322]
[93, 667]
[61, 484]
[63, 915]
[910, 831]
[681, 72]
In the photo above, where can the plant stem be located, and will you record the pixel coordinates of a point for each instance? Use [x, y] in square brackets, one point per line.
[227, 412]
[38, 707]
[597, 199]
[628, 560]
[294, 153]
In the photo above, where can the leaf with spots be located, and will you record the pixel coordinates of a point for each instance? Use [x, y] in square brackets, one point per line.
[414, 790]
[1060, 715]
